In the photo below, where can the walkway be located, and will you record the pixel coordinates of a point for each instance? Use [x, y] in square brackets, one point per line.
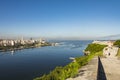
[111, 65]
[88, 72]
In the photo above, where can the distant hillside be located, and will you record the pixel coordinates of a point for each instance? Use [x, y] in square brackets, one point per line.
[111, 37]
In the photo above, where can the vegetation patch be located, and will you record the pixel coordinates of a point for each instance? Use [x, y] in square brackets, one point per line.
[117, 43]
[93, 48]
[118, 53]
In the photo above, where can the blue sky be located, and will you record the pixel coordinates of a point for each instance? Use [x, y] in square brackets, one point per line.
[68, 19]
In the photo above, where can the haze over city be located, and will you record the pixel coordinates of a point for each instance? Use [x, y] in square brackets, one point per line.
[59, 19]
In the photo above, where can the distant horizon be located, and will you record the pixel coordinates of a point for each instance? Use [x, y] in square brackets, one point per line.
[108, 37]
[60, 19]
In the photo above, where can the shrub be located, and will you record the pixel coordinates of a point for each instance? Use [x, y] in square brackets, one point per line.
[117, 43]
[93, 48]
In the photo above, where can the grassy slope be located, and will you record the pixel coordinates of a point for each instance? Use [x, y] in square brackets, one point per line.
[118, 54]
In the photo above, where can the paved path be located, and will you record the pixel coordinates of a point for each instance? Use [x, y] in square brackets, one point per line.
[88, 72]
[111, 64]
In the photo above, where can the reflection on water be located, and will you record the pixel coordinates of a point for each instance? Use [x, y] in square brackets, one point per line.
[29, 63]
[12, 52]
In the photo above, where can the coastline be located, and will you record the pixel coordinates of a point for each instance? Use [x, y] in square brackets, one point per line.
[14, 48]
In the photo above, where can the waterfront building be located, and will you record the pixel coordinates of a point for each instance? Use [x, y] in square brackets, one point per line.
[12, 43]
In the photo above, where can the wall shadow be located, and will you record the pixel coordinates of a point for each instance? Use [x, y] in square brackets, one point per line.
[101, 73]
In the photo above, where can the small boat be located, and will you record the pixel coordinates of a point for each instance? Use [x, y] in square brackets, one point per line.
[72, 58]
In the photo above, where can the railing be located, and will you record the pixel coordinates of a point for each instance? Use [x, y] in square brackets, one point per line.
[100, 73]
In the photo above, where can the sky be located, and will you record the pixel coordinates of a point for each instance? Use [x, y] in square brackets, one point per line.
[60, 19]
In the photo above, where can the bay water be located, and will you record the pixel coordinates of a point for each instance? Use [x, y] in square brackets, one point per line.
[27, 64]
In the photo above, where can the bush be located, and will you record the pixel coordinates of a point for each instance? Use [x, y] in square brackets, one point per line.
[117, 43]
[61, 73]
[93, 48]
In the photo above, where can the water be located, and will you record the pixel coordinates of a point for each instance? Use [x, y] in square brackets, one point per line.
[29, 63]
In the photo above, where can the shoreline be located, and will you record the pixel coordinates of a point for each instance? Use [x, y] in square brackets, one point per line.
[13, 48]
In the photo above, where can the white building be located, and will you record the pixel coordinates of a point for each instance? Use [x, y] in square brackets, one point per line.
[12, 43]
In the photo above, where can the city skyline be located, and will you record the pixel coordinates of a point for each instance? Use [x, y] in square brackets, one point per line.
[55, 19]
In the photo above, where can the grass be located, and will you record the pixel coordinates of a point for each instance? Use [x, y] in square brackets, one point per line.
[118, 53]
[100, 54]
[70, 70]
